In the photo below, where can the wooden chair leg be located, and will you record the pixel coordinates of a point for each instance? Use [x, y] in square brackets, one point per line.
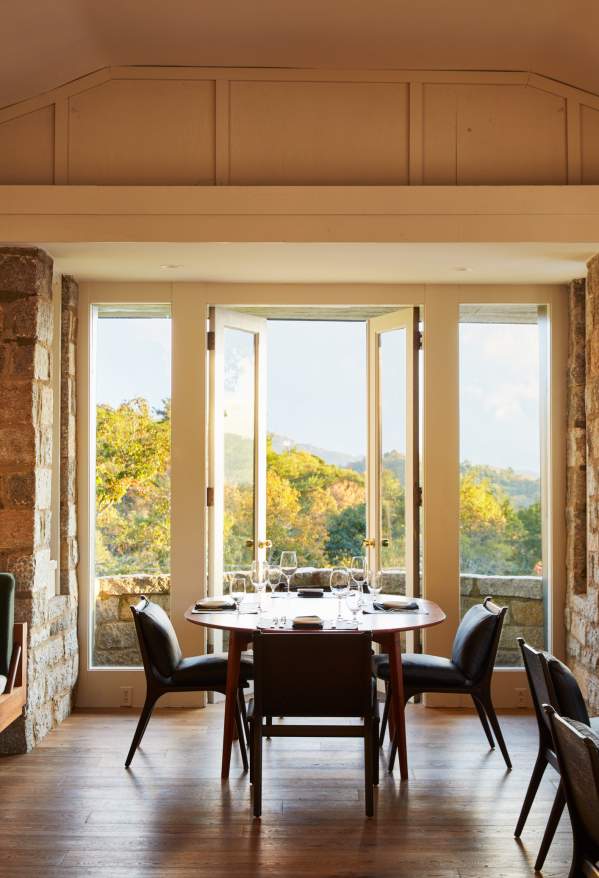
[244, 716]
[369, 747]
[490, 711]
[375, 752]
[241, 737]
[483, 721]
[144, 719]
[385, 715]
[533, 785]
[257, 765]
[554, 817]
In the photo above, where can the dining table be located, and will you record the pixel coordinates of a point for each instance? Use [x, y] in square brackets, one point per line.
[386, 628]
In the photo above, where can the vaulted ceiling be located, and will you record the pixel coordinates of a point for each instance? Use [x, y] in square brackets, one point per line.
[46, 44]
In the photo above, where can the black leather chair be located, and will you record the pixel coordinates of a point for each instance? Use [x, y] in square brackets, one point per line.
[550, 682]
[577, 749]
[314, 674]
[467, 672]
[7, 620]
[167, 671]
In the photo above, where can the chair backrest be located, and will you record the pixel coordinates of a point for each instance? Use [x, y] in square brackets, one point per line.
[313, 673]
[7, 620]
[551, 682]
[158, 643]
[577, 748]
[477, 638]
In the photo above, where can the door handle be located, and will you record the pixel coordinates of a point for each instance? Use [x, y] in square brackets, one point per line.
[265, 544]
[249, 544]
[385, 543]
[368, 542]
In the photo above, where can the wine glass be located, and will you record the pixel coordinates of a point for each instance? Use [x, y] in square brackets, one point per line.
[353, 599]
[237, 589]
[274, 575]
[259, 579]
[358, 570]
[375, 584]
[339, 583]
[288, 565]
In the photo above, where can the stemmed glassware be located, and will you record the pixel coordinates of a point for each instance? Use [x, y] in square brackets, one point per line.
[339, 583]
[358, 570]
[237, 590]
[288, 565]
[258, 574]
[354, 600]
[375, 584]
[275, 574]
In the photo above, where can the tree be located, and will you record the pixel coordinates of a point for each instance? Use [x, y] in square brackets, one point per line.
[346, 530]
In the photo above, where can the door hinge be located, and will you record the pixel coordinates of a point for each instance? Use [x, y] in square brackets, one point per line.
[418, 496]
[210, 340]
[419, 340]
[209, 496]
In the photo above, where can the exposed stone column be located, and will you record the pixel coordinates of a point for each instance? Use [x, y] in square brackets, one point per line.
[582, 612]
[26, 493]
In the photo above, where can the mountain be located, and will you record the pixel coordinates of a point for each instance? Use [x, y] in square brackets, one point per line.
[336, 458]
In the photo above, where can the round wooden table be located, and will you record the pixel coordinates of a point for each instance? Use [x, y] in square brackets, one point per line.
[386, 629]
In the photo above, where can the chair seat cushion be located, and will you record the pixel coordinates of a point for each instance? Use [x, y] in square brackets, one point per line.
[208, 671]
[424, 672]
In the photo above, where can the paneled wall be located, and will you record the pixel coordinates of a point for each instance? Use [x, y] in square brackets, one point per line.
[197, 126]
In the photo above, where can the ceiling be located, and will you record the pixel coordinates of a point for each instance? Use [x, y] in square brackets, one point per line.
[47, 44]
[324, 263]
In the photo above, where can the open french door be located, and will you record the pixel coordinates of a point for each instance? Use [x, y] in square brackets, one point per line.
[393, 532]
[237, 437]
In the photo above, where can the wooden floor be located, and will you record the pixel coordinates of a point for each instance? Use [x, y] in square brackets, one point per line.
[70, 809]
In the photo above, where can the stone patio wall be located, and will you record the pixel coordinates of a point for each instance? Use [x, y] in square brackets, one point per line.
[115, 642]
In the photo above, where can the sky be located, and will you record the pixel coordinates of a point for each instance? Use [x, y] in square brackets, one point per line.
[317, 384]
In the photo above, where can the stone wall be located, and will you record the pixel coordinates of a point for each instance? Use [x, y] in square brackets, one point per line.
[116, 645]
[582, 520]
[26, 398]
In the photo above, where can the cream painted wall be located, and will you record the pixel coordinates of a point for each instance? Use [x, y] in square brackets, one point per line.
[199, 126]
[440, 430]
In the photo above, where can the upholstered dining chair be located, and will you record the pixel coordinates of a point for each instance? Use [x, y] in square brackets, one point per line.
[314, 674]
[550, 682]
[577, 749]
[467, 672]
[167, 671]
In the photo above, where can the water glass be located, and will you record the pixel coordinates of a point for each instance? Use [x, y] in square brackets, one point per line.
[259, 579]
[288, 565]
[275, 575]
[339, 583]
[237, 590]
[354, 600]
[358, 570]
[375, 584]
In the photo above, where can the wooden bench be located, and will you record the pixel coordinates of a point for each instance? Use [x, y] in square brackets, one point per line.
[14, 696]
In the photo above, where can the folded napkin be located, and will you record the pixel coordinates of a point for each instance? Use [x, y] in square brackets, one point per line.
[396, 604]
[218, 603]
[310, 592]
[307, 622]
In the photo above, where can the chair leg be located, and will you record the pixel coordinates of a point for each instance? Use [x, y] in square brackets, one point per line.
[490, 711]
[241, 735]
[369, 747]
[144, 719]
[385, 714]
[257, 765]
[244, 716]
[533, 785]
[554, 817]
[375, 752]
[483, 720]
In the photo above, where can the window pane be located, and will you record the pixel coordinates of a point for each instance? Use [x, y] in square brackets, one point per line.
[393, 450]
[500, 471]
[132, 372]
[316, 501]
[239, 365]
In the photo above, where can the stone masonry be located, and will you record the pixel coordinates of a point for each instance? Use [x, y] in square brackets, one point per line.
[582, 611]
[26, 333]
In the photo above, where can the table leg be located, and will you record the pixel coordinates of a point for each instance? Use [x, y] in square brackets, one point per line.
[236, 645]
[398, 733]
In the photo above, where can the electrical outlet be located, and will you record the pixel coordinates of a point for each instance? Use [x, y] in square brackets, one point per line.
[126, 696]
[522, 697]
